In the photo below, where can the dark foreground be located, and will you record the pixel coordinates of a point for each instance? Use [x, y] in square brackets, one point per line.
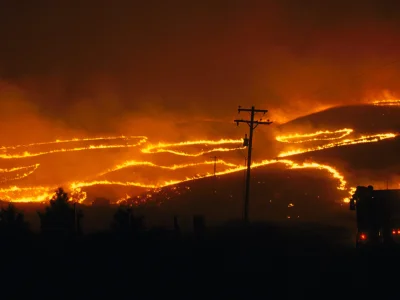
[300, 260]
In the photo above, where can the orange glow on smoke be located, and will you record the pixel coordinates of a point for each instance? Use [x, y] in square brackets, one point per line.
[386, 98]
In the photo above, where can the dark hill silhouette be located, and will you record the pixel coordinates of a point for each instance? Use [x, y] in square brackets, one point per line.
[373, 161]
[361, 118]
[274, 188]
[111, 192]
[277, 193]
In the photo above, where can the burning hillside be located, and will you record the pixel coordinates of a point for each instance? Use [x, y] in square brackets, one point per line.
[34, 170]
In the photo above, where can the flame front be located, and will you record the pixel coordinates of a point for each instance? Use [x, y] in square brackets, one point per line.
[165, 147]
[323, 135]
[346, 142]
[386, 99]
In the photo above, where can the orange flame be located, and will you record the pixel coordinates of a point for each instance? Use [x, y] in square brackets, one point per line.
[163, 147]
[74, 149]
[360, 140]
[386, 98]
[26, 171]
[316, 136]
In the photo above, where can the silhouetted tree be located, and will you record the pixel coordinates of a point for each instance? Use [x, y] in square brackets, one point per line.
[61, 217]
[12, 222]
[126, 222]
[101, 202]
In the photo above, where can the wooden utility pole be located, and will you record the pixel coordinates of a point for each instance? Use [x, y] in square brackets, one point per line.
[244, 173]
[253, 125]
[215, 158]
[75, 218]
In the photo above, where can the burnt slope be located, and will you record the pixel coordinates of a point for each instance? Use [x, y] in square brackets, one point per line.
[361, 118]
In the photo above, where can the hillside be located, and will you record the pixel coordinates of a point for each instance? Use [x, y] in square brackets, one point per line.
[277, 194]
[123, 167]
[363, 163]
[361, 118]
[375, 162]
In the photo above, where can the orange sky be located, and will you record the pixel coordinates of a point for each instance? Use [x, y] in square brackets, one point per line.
[108, 66]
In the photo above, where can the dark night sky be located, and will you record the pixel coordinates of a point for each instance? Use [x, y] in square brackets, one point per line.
[89, 63]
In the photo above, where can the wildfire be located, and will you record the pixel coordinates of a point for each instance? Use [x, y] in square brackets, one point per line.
[25, 154]
[43, 193]
[165, 147]
[316, 136]
[385, 98]
[387, 103]
[18, 194]
[40, 194]
[18, 168]
[133, 163]
[17, 172]
[360, 140]
[109, 138]
[288, 163]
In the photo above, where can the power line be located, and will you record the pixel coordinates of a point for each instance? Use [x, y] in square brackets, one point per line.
[249, 143]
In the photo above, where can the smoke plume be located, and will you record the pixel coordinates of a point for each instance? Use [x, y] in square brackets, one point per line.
[162, 68]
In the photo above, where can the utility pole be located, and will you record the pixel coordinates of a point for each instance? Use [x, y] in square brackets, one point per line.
[215, 173]
[249, 143]
[75, 218]
[215, 164]
[244, 177]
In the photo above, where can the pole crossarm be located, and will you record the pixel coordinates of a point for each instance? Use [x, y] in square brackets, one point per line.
[240, 109]
[252, 125]
[256, 123]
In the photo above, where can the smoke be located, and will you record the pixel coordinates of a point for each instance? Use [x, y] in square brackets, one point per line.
[22, 120]
[162, 70]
